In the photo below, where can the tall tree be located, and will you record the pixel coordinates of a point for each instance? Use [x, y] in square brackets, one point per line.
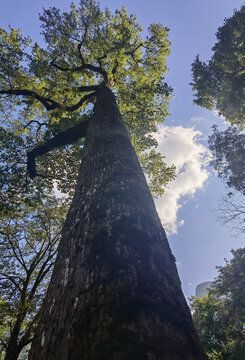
[220, 316]
[220, 82]
[114, 292]
[228, 149]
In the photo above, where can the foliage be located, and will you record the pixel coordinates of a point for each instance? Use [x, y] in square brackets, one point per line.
[220, 82]
[228, 149]
[220, 316]
[28, 243]
[49, 89]
[159, 174]
[232, 213]
[15, 186]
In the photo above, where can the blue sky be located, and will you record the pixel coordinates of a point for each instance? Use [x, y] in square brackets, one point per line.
[201, 243]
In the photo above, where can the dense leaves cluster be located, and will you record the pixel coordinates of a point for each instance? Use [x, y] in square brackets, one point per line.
[220, 82]
[220, 316]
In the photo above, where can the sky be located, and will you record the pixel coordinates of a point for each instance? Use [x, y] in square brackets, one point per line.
[187, 210]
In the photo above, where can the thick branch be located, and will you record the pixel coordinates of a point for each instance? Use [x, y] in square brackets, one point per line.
[66, 137]
[80, 53]
[89, 88]
[49, 104]
[35, 121]
[82, 67]
[80, 102]
[101, 58]
[114, 70]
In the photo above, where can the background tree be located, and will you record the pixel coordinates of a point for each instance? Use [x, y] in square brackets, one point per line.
[28, 243]
[114, 292]
[30, 217]
[220, 82]
[228, 149]
[220, 317]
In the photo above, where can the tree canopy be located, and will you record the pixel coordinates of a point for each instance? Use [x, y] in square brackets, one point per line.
[48, 89]
[220, 82]
[219, 317]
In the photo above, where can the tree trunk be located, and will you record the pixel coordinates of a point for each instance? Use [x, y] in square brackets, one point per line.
[115, 292]
[13, 348]
[12, 351]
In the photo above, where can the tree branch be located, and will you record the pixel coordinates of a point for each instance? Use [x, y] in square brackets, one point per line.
[86, 26]
[84, 66]
[49, 104]
[66, 137]
[131, 53]
[10, 278]
[4, 344]
[81, 101]
[89, 88]
[25, 340]
[45, 268]
[101, 58]
[80, 53]
[35, 121]
[114, 70]
[19, 256]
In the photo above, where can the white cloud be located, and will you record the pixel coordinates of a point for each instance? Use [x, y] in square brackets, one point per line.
[181, 148]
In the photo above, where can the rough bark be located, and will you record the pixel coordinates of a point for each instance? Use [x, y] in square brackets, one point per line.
[115, 292]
